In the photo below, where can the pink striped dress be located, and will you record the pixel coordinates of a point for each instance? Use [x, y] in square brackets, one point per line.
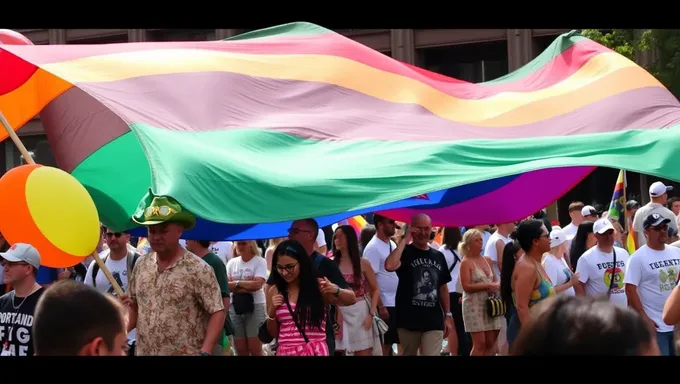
[291, 342]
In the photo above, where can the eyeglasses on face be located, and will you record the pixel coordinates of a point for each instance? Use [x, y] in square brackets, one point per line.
[12, 263]
[112, 234]
[295, 231]
[286, 268]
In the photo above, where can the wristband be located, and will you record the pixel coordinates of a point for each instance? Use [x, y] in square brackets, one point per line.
[337, 292]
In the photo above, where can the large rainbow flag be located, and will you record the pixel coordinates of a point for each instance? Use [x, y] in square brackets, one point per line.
[298, 121]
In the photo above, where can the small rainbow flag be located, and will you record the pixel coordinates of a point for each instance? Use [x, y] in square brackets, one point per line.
[357, 222]
[631, 241]
[616, 207]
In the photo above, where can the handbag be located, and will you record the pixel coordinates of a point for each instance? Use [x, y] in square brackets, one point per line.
[495, 306]
[377, 321]
[263, 333]
[243, 303]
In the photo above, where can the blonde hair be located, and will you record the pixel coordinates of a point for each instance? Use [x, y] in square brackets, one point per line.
[468, 236]
[253, 247]
[273, 243]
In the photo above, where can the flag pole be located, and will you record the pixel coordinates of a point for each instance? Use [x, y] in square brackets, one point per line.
[29, 160]
[625, 201]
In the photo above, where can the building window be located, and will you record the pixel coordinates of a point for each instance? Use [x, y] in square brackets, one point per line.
[541, 43]
[182, 35]
[474, 62]
[38, 147]
[110, 39]
[4, 148]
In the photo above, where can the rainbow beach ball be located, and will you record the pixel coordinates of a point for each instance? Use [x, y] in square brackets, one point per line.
[49, 209]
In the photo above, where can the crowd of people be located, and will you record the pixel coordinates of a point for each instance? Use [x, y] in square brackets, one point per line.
[522, 288]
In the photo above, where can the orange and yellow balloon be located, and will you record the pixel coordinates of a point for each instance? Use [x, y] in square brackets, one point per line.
[49, 209]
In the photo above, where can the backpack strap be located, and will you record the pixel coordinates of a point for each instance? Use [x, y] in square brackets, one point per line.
[95, 268]
[317, 260]
[456, 259]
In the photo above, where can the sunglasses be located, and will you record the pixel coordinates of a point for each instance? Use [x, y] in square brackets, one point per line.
[112, 234]
[662, 227]
[295, 231]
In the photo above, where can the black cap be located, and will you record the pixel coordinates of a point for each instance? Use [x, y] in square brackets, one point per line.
[378, 218]
[654, 220]
[631, 204]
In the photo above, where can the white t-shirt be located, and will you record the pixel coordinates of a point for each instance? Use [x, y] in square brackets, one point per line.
[646, 210]
[320, 238]
[455, 273]
[595, 268]
[118, 269]
[485, 238]
[223, 250]
[376, 252]
[655, 274]
[569, 231]
[558, 271]
[254, 268]
[490, 250]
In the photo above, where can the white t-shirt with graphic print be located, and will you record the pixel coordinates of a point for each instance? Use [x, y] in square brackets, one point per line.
[256, 267]
[596, 270]
[655, 274]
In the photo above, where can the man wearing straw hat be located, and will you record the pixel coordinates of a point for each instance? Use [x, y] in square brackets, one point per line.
[174, 298]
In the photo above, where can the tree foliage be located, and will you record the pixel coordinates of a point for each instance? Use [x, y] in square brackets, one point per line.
[664, 42]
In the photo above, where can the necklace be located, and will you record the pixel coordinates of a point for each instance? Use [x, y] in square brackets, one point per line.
[22, 301]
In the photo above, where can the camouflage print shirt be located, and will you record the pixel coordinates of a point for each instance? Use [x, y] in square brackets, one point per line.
[174, 306]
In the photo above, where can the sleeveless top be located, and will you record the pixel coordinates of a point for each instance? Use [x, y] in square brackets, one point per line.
[291, 341]
[359, 289]
[544, 290]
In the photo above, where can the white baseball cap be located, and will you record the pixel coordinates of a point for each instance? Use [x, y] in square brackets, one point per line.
[588, 210]
[602, 225]
[22, 252]
[658, 188]
[557, 237]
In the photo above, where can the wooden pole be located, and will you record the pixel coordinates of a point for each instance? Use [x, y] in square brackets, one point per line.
[29, 160]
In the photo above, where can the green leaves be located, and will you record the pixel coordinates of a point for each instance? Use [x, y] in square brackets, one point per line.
[665, 65]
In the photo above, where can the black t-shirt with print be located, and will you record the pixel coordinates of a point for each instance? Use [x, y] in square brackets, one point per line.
[16, 325]
[421, 274]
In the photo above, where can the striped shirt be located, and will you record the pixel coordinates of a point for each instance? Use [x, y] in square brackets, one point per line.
[292, 343]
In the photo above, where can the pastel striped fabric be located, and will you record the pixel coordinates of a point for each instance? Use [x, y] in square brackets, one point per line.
[298, 121]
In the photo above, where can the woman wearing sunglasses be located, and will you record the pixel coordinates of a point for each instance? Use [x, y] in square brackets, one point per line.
[296, 311]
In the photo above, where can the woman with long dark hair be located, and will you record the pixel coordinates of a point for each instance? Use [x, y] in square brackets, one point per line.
[355, 332]
[583, 241]
[459, 342]
[525, 278]
[296, 311]
[511, 252]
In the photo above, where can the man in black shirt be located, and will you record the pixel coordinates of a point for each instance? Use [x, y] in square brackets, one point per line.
[422, 302]
[305, 232]
[20, 264]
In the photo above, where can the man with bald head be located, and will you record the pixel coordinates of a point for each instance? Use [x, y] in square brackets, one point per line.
[422, 302]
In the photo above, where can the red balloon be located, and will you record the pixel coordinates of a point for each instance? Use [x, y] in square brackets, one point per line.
[9, 37]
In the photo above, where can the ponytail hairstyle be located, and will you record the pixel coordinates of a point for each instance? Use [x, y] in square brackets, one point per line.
[522, 238]
[467, 238]
[508, 267]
